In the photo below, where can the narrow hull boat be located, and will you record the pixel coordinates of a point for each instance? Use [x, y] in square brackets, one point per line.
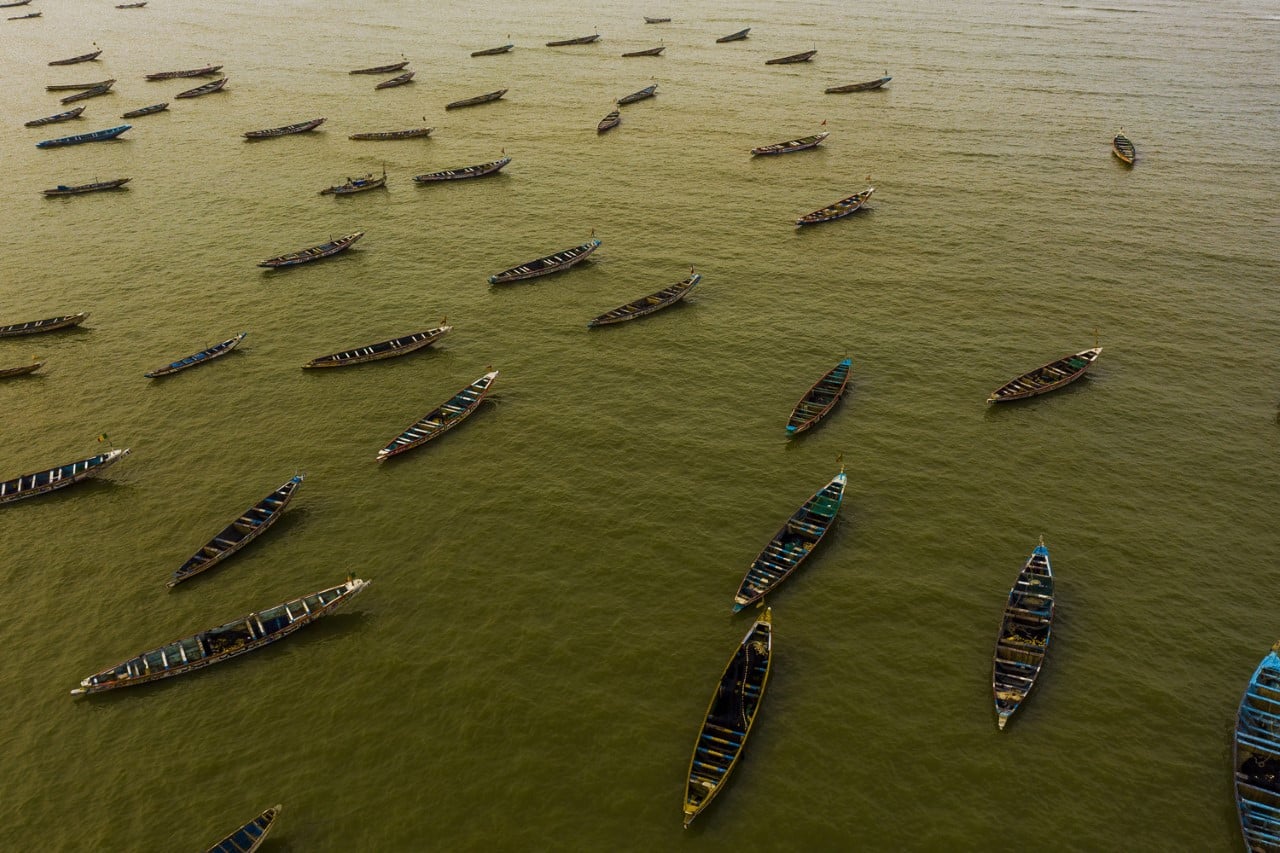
[76, 60]
[1122, 147]
[464, 172]
[1024, 634]
[493, 51]
[646, 92]
[54, 119]
[383, 349]
[146, 111]
[729, 718]
[649, 20]
[653, 51]
[249, 837]
[21, 370]
[738, 36]
[858, 87]
[478, 99]
[77, 87]
[664, 298]
[545, 266]
[206, 71]
[819, 400]
[567, 42]
[95, 92]
[287, 130]
[837, 210]
[802, 144]
[97, 186]
[411, 133]
[381, 69]
[43, 482]
[202, 357]
[1255, 755]
[206, 89]
[35, 327]
[357, 185]
[400, 80]
[314, 253]
[792, 59]
[609, 122]
[223, 642]
[1050, 377]
[440, 420]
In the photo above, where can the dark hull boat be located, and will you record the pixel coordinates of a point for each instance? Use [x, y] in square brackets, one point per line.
[381, 69]
[649, 20]
[819, 400]
[98, 186]
[357, 185]
[20, 370]
[729, 718]
[738, 36]
[493, 51]
[1255, 755]
[1123, 148]
[41, 482]
[545, 266]
[206, 89]
[249, 837]
[26, 17]
[839, 209]
[792, 59]
[75, 60]
[478, 171]
[146, 111]
[15, 4]
[383, 349]
[406, 77]
[442, 419]
[1024, 634]
[79, 87]
[646, 92]
[653, 51]
[255, 521]
[272, 132]
[567, 42]
[411, 133]
[609, 122]
[95, 136]
[250, 632]
[1050, 377]
[35, 327]
[198, 358]
[858, 87]
[802, 144]
[131, 5]
[653, 302]
[54, 119]
[314, 253]
[96, 91]
[478, 99]
[206, 71]
[792, 544]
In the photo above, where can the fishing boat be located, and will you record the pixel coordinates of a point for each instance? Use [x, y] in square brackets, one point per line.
[95, 92]
[837, 210]
[792, 544]
[804, 56]
[314, 253]
[27, 16]
[1050, 377]
[381, 69]
[357, 185]
[35, 327]
[207, 89]
[75, 60]
[566, 42]
[1123, 148]
[201, 357]
[30, 485]
[801, 144]
[547, 265]
[857, 87]
[738, 36]
[249, 526]
[249, 837]
[646, 92]
[146, 111]
[383, 349]
[649, 20]
[1024, 634]
[609, 122]
[411, 133]
[441, 419]
[649, 304]
[62, 189]
[95, 136]
[206, 71]
[820, 399]
[131, 5]
[14, 5]
[68, 87]
[54, 119]
[249, 632]
[22, 369]
[478, 99]
[493, 51]
[652, 51]
[729, 718]
[1255, 755]
[477, 171]
[398, 80]
[272, 132]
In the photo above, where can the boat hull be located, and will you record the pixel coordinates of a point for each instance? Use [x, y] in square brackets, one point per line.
[441, 419]
[1049, 377]
[478, 171]
[36, 327]
[383, 349]
[546, 265]
[647, 305]
[43, 482]
[314, 253]
[1023, 640]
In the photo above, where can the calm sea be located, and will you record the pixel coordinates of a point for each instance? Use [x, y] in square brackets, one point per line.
[550, 594]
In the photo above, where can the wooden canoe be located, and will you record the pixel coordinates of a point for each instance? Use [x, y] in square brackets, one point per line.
[820, 399]
[411, 133]
[255, 521]
[567, 42]
[21, 370]
[207, 89]
[26, 17]
[33, 327]
[75, 60]
[649, 20]
[383, 349]
[97, 186]
[1123, 148]
[381, 69]
[314, 253]
[249, 837]
[202, 357]
[223, 642]
[652, 51]
[792, 544]
[609, 122]
[54, 119]
[738, 36]
[793, 58]
[837, 210]
[58, 477]
[286, 130]
[95, 92]
[646, 92]
[546, 265]
[1049, 377]
[1024, 634]
[357, 185]
[802, 144]
[858, 87]
[463, 172]
[146, 111]
[649, 304]
[478, 99]
[77, 87]
[441, 419]
[730, 716]
[493, 51]
[81, 138]
[1255, 756]
[399, 80]
[206, 71]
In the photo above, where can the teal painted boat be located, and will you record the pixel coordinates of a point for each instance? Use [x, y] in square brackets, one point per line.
[249, 837]
[819, 399]
[1024, 634]
[1256, 756]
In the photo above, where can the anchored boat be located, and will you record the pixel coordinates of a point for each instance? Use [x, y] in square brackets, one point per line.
[441, 419]
[411, 133]
[649, 304]
[478, 99]
[206, 89]
[32, 327]
[54, 119]
[59, 477]
[97, 186]
[801, 144]
[383, 349]
[201, 357]
[837, 210]
[545, 266]
[314, 253]
[1049, 377]
[820, 399]
[1024, 634]
[249, 837]
[271, 132]
[477, 171]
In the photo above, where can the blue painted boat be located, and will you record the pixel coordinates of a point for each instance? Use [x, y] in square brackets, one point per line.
[792, 544]
[1256, 756]
[198, 358]
[30, 485]
[249, 837]
[1024, 634]
[95, 136]
[820, 399]
[440, 420]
